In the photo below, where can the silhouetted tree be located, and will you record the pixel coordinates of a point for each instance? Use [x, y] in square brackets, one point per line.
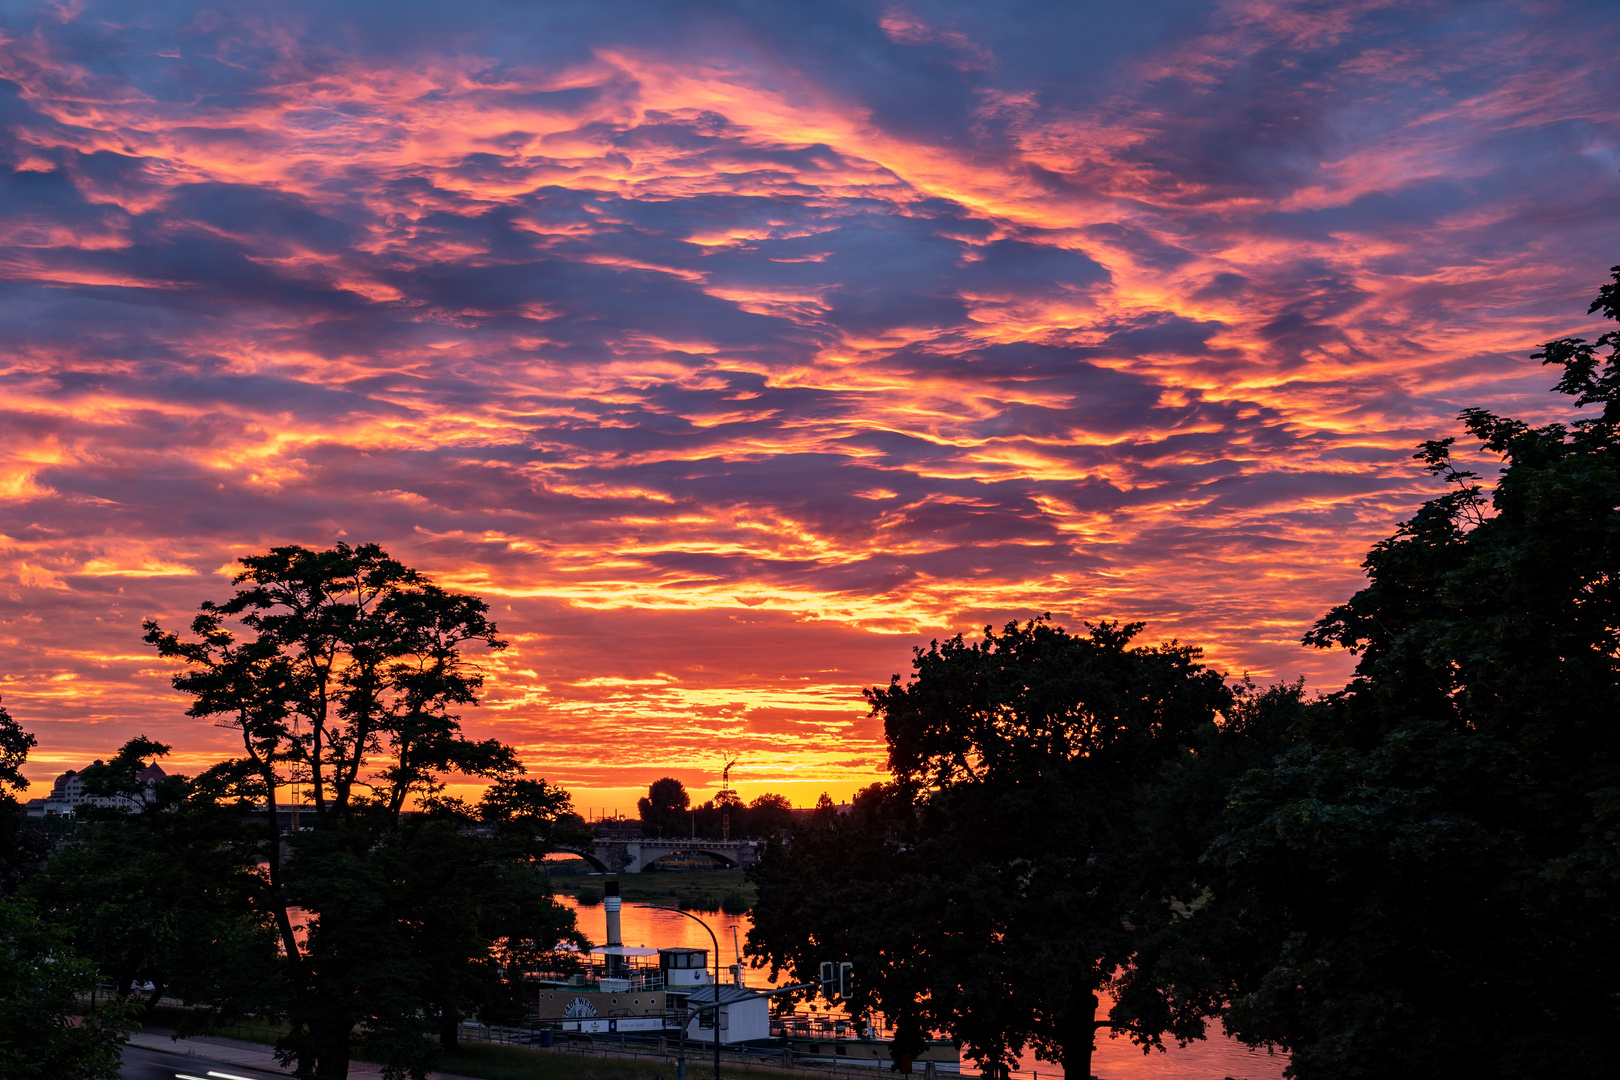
[163, 889]
[15, 743]
[24, 844]
[825, 812]
[1030, 756]
[342, 668]
[1013, 871]
[851, 887]
[1428, 875]
[47, 1028]
[769, 814]
[663, 809]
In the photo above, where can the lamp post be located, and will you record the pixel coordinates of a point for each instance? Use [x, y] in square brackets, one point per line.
[716, 941]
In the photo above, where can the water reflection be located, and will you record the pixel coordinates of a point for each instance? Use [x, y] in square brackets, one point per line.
[642, 924]
[1115, 1059]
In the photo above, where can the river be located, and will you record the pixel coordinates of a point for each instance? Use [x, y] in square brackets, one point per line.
[1115, 1058]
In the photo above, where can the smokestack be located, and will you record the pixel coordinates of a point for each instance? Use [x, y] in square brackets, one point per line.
[610, 892]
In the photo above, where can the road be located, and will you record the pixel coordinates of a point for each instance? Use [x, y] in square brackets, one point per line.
[143, 1064]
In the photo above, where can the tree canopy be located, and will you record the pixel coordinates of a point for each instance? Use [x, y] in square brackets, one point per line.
[47, 1028]
[663, 809]
[15, 743]
[1022, 766]
[1428, 872]
[342, 669]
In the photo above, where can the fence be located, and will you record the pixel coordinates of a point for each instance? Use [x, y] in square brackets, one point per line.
[697, 1053]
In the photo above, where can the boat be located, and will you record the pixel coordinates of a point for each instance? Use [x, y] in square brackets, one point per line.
[634, 990]
[620, 989]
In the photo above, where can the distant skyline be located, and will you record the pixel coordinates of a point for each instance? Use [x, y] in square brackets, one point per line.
[731, 350]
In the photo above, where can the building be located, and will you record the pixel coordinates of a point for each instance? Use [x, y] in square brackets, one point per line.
[745, 1015]
[68, 794]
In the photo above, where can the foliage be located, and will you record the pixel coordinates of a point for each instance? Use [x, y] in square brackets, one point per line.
[769, 814]
[416, 925]
[125, 779]
[1002, 741]
[14, 746]
[853, 888]
[341, 669]
[1428, 874]
[165, 894]
[349, 678]
[44, 1030]
[1010, 874]
[663, 809]
[667, 810]
[24, 844]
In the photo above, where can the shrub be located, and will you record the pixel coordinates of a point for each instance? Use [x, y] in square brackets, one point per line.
[589, 897]
[735, 903]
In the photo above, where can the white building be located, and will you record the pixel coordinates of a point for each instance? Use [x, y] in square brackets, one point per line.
[68, 794]
[745, 1014]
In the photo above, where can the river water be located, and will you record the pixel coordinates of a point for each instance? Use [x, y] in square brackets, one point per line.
[1115, 1058]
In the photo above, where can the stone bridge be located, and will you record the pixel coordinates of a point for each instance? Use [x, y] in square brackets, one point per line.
[632, 855]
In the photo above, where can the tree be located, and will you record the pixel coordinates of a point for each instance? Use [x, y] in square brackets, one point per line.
[420, 925]
[663, 809]
[769, 814]
[1428, 874]
[23, 844]
[851, 887]
[45, 1031]
[1030, 756]
[163, 889]
[1003, 883]
[342, 670]
[15, 743]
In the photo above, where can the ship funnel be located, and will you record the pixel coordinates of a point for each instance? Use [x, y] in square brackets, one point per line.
[610, 891]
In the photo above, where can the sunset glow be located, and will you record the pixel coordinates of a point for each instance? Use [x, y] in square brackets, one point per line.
[731, 351]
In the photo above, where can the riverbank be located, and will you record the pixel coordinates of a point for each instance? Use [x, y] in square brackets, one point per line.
[698, 890]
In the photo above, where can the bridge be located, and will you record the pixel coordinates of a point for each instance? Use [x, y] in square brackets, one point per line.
[632, 855]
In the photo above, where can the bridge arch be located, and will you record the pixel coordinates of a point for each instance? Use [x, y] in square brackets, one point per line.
[589, 856]
[650, 857]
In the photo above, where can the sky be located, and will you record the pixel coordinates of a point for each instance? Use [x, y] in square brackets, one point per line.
[732, 350]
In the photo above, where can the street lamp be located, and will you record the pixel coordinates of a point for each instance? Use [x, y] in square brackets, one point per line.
[716, 941]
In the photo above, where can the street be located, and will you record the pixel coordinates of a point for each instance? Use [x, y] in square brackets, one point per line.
[143, 1064]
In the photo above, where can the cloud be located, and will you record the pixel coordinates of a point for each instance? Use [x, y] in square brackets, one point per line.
[732, 351]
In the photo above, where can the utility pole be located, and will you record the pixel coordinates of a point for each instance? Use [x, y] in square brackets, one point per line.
[716, 942]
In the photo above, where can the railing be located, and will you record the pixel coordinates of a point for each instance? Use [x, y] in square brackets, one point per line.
[697, 1053]
[826, 1028]
[592, 978]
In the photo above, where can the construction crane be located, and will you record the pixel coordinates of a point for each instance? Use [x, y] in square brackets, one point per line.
[725, 803]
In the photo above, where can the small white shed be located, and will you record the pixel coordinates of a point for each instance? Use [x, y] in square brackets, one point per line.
[745, 1014]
